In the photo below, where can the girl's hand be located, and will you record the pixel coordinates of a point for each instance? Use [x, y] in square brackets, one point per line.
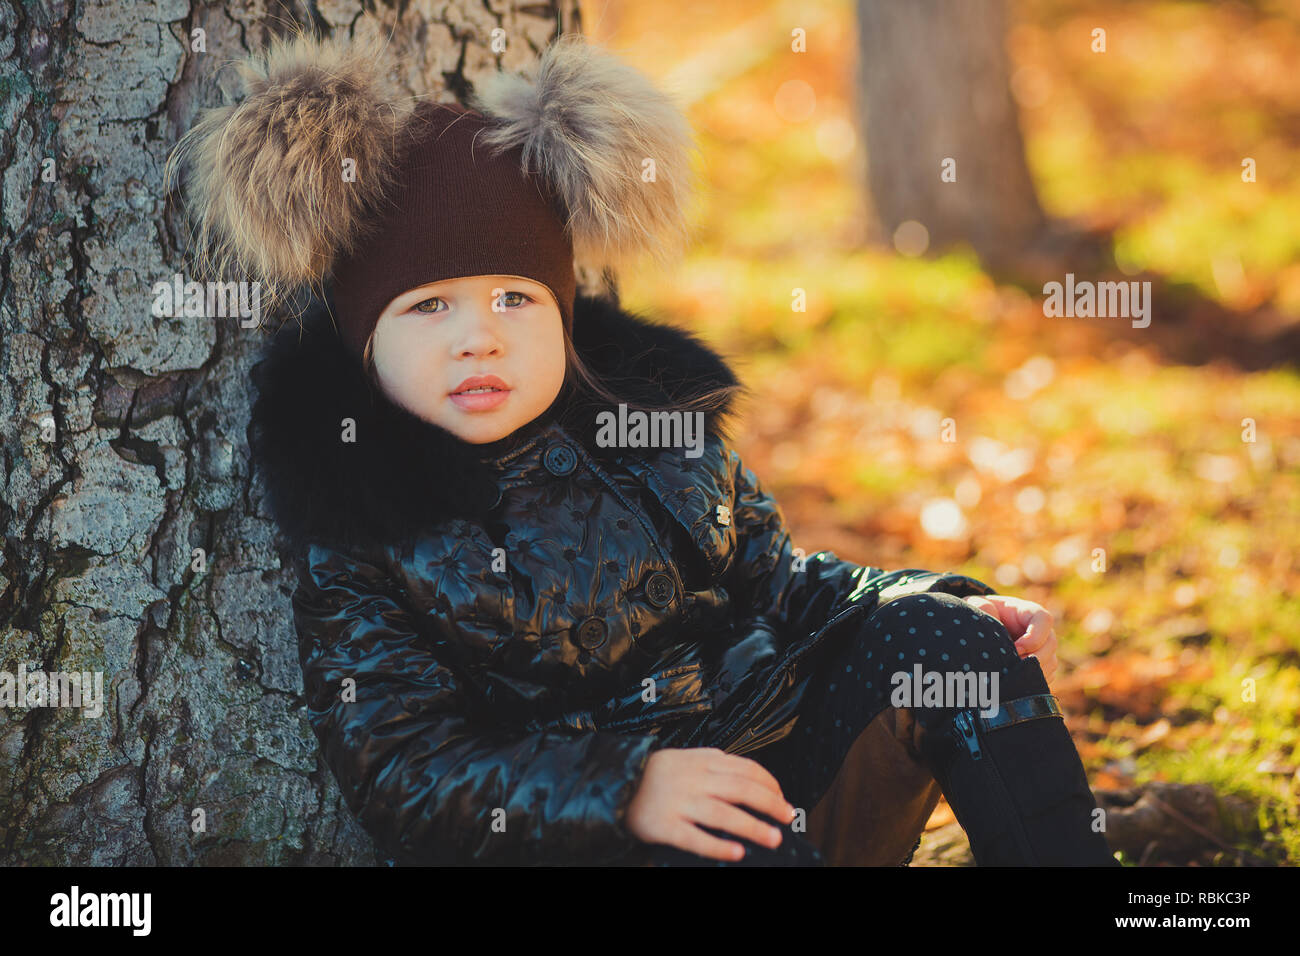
[1029, 624]
[683, 787]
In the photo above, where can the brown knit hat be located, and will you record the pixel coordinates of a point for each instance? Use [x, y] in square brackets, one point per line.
[327, 170]
[458, 209]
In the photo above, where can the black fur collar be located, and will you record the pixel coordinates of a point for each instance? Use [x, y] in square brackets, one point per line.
[403, 473]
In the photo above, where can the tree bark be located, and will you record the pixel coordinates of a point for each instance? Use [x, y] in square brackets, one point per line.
[934, 85]
[125, 450]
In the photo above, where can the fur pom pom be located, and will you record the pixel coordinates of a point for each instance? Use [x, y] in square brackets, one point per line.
[587, 123]
[270, 194]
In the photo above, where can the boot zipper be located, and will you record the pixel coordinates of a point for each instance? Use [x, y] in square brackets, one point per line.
[965, 734]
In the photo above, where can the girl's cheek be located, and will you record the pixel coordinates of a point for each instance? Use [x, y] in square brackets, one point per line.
[420, 361]
[405, 374]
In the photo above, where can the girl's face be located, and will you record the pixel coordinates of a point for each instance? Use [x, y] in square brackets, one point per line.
[434, 344]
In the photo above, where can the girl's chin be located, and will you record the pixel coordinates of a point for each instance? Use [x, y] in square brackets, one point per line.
[480, 431]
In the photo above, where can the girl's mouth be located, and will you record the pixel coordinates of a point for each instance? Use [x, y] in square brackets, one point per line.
[480, 393]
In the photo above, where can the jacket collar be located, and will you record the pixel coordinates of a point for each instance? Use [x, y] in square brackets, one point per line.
[343, 465]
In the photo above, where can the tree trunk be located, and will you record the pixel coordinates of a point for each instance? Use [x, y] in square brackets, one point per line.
[934, 86]
[125, 452]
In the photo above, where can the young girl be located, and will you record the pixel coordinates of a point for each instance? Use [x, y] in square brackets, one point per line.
[527, 636]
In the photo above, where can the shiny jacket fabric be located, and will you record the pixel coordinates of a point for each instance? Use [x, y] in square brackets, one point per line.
[495, 638]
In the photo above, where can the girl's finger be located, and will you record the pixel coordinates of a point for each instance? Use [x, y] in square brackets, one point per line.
[724, 762]
[1036, 634]
[738, 790]
[694, 840]
[1049, 651]
[1014, 618]
[1005, 615]
[986, 605]
[722, 815]
[1025, 616]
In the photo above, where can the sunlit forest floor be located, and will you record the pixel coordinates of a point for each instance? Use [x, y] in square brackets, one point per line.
[1180, 638]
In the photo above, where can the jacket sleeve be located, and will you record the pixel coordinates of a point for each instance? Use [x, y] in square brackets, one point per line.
[799, 593]
[429, 783]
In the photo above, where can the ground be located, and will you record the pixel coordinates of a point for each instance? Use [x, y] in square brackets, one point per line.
[923, 413]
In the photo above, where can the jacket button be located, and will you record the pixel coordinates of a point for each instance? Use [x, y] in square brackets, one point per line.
[724, 515]
[591, 633]
[560, 458]
[660, 589]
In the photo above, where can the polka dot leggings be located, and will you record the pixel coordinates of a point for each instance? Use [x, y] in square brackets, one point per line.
[854, 682]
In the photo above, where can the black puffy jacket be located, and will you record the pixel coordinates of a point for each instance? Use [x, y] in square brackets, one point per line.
[495, 638]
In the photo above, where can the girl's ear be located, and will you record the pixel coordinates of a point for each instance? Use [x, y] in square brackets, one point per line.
[614, 149]
[284, 181]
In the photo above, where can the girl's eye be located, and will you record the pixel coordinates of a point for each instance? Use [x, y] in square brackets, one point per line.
[522, 296]
[506, 299]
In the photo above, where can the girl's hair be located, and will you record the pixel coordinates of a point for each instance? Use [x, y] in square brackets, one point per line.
[584, 380]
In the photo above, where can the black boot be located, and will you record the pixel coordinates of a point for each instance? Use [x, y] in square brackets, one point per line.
[1015, 781]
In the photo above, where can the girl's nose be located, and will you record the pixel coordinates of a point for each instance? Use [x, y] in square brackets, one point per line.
[480, 330]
